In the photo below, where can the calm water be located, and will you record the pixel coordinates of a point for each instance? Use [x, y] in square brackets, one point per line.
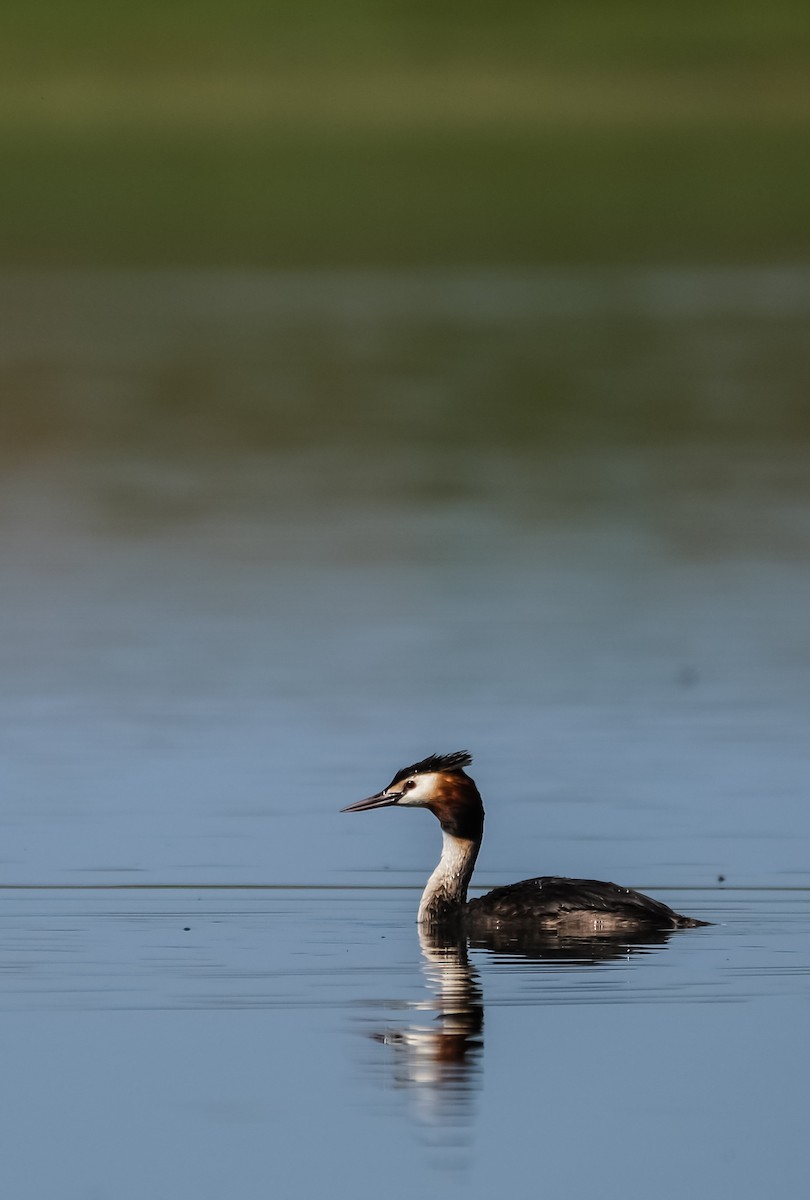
[266, 539]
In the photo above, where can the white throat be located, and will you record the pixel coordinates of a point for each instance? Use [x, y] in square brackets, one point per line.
[445, 895]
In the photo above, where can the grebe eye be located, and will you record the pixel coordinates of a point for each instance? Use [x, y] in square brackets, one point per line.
[410, 784]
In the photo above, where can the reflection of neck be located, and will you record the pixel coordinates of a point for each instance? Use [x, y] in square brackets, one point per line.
[458, 994]
[444, 897]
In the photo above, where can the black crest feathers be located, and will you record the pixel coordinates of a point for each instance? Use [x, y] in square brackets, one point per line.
[434, 762]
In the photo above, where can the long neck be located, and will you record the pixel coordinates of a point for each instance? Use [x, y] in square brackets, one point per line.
[444, 897]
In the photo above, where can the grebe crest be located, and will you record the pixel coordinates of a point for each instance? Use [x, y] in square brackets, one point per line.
[574, 907]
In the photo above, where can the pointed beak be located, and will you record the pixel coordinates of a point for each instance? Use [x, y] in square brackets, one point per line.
[381, 800]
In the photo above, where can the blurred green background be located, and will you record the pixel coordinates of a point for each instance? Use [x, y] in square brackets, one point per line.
[393, 132]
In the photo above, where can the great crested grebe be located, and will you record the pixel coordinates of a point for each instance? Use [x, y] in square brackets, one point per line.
[570, 907]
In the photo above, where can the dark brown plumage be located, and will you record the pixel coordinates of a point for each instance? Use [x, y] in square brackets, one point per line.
[552, 901]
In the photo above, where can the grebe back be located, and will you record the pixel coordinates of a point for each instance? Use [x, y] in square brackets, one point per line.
[574, 907]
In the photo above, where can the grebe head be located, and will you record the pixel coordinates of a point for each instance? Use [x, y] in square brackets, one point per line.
[438, 783]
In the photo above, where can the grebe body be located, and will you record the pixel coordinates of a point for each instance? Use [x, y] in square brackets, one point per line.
[571, 907]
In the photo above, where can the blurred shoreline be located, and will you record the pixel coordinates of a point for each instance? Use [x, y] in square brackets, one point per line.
[390, 134]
